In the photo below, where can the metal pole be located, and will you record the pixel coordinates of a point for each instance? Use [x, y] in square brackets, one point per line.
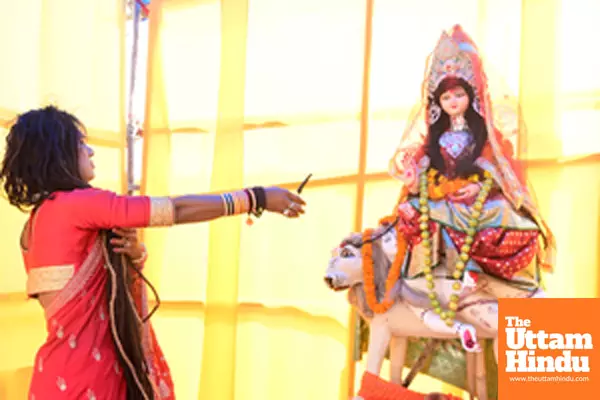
[131, 186]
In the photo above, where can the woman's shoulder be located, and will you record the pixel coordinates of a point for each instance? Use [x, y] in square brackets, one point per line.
[81, 193]
[81, 196]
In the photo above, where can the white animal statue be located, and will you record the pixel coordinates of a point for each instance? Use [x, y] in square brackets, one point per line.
[410, 313]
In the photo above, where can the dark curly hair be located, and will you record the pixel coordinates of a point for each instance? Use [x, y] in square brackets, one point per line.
[476, 123]
[42, 158]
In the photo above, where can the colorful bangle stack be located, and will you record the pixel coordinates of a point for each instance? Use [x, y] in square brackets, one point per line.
[252, 201]
[235, 202]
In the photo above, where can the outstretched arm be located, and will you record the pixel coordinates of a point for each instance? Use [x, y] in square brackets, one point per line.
[199, 208]
[99, 209]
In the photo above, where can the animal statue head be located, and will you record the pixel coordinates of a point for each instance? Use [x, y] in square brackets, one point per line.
[345, 265]
[345, 269]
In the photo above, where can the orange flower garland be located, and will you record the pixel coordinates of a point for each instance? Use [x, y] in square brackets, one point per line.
[445, 186]
[440, 189]
[369, 274]
[434, 191]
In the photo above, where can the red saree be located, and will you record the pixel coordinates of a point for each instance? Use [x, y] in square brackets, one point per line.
[65, 254]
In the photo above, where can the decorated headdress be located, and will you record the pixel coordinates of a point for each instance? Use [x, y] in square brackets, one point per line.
[452, 58]
[457, 56]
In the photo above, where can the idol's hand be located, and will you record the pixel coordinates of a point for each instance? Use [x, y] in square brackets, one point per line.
[467, 194]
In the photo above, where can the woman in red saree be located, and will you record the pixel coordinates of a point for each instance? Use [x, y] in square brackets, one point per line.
[100, 344]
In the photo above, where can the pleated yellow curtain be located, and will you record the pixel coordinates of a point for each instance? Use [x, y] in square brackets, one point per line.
[243, 93]
[537, 47]
[561, 103]
[264, 92]
[244, 310]
[71, 54]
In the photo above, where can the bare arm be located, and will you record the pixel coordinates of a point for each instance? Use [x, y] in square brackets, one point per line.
[201, 208]
[197, 208]
[100, 209]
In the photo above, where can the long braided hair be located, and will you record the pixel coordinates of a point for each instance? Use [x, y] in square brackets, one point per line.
[41, 159]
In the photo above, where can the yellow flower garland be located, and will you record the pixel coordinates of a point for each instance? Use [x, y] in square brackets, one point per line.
[425, 179]
[428, 189]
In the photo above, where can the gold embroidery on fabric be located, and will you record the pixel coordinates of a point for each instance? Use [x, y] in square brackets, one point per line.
[48, 279]
[165, 392]
[76, 285]
[161, 211]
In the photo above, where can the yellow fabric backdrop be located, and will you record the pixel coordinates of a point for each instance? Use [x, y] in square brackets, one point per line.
[268, 97]
[265, 91]
[68, 53]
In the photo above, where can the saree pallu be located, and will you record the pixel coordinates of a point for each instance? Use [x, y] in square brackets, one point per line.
[79, 359]
[159, 372]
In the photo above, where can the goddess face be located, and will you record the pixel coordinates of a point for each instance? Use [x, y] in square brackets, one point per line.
[455, 101]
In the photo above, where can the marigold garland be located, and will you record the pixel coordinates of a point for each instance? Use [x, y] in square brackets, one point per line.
[439, 188]
[444, 186]
[434, 191]
[369, 274]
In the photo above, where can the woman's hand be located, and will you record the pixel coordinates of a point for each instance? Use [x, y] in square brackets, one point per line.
[128, 243]
[284, 202]
[467, 194]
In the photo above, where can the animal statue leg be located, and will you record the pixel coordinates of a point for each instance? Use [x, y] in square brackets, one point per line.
[539, 294]
[487, 315]
[496, 349]
[471, 364]
[398, 347]
[480, 376]
[379, 340]
[484, 315]
[465, 332]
